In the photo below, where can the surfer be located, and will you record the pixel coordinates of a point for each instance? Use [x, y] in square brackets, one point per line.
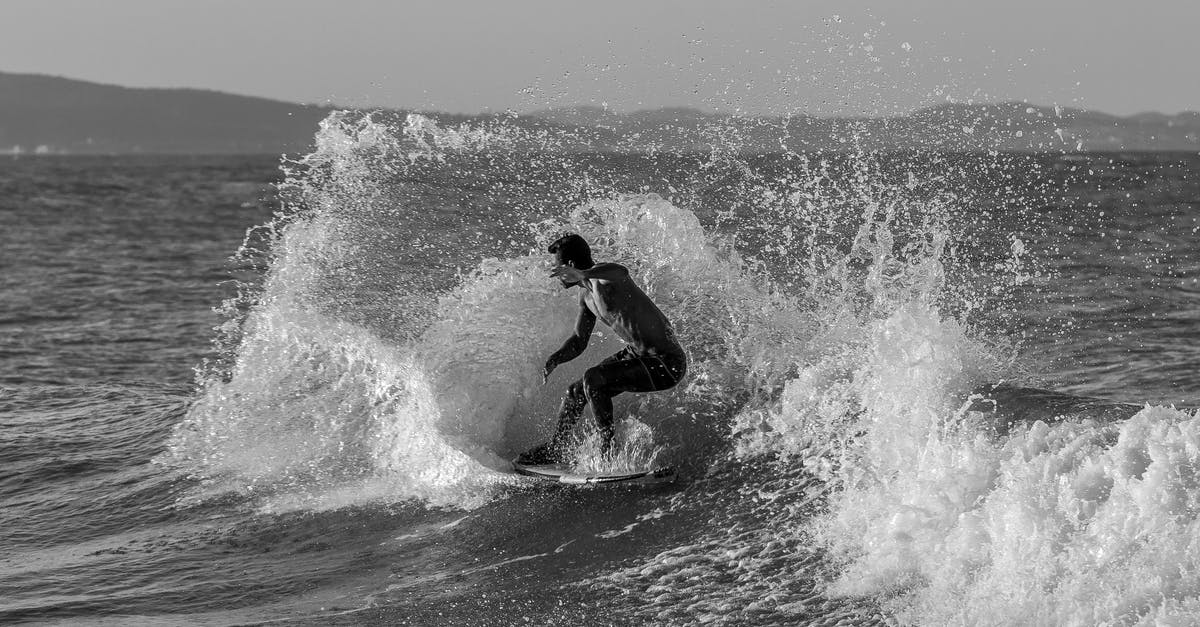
[651, 361]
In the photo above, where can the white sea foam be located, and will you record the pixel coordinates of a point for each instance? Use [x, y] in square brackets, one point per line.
[844, 351]
[1053, 525]
[945, 519]
[633, 449]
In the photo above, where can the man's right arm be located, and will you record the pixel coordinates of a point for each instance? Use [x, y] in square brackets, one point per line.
[575, 344]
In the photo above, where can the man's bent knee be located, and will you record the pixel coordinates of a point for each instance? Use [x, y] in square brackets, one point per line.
[594, 382]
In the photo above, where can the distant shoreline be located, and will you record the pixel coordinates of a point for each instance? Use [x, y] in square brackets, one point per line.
[44, 115]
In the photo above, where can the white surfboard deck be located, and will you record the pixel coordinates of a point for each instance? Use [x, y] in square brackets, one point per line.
[564, 473]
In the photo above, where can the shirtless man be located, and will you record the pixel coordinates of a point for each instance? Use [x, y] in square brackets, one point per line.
[651, 361]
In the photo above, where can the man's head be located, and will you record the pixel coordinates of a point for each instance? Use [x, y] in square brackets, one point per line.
[572, 250]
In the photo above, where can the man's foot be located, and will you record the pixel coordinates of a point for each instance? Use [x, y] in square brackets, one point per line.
[542, 455]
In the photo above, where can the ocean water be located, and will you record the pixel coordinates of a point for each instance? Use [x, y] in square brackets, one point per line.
[925, 388]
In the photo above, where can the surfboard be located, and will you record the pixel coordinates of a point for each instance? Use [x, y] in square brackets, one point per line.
[563, 473]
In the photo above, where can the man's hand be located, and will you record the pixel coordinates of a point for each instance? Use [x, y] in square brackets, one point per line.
[568, 274]
[547, 369]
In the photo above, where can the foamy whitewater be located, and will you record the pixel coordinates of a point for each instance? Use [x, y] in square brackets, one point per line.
[895, 412]
[844, 356]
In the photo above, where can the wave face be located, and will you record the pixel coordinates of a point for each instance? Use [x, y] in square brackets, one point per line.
[845, 317]
[363, 369]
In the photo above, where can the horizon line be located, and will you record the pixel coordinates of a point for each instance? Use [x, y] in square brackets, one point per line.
[613, 110]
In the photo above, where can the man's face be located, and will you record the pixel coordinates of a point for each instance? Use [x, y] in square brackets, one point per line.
[565, 283]
[559, 261]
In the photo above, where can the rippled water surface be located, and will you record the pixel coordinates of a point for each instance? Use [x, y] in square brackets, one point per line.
[309, 422]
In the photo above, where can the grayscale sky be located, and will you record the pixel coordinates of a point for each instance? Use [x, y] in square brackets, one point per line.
[758, 57]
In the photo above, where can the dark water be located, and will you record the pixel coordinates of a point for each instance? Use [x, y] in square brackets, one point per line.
[283, 488]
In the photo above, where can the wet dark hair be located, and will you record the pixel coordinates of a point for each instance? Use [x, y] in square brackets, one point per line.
[572, 250]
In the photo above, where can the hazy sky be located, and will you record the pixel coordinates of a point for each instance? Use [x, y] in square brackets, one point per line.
[760, 57]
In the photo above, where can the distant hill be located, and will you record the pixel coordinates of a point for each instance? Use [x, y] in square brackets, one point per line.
[62, 115]
[59, 115]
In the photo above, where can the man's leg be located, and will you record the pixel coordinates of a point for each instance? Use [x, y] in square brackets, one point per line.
[552, 451]
[619, 373]
[569, 413]
[600, 393]
[608, 379]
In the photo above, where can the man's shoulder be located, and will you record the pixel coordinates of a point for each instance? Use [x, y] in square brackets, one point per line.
[611, 267]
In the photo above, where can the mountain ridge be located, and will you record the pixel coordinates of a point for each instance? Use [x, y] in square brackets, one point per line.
[64, 115]
[56, 115]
